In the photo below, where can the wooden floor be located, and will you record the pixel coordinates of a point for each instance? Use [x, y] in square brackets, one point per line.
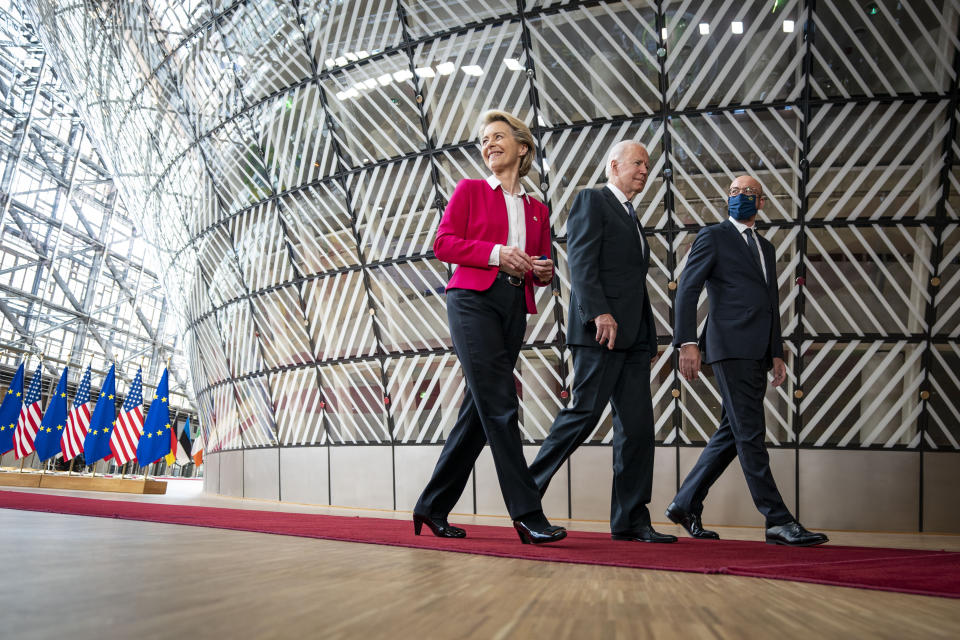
[78, 577]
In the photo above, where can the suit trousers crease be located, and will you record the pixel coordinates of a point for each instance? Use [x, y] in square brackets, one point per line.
[740, 434]
[487, 328]
[623, 379]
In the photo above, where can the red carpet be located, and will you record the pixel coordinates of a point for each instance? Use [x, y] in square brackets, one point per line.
[932, 573]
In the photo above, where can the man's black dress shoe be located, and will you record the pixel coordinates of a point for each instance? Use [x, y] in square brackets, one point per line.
[439, 526]
[538, 535]
[690, 522]
[644, 534]
[794, 535]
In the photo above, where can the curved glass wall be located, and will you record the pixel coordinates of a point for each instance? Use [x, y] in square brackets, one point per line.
[292, 160]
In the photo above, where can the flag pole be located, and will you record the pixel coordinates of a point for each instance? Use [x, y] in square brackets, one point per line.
[70, 470]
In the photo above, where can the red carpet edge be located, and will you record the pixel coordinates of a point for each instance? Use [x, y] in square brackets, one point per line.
[930, 573]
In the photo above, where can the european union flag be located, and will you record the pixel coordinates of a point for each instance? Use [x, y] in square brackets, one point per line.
[10, 411]
[47, 442]
[155, 441]
[97, 443]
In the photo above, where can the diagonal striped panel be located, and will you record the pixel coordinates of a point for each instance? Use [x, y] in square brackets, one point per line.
[208, 420]
[297, 406]
[861, 393]
[265, 47]
[233, 157]
[596, 61]
[261, 247]
[225, 424]
[468, 73]
[427, 17]
[280, 322]
[733, 52]
[425, 393]
[395, 209]
[354, 397]
[207, 75]
[876, 160]
[539, 384]
[339, 317]
[218, 266]
[883, 48]
[207, 347]
[189, 176]
[576, 159]
[710, 150]
[943, 426]
[319, 229]
[867, 279]
[239, 338]
[347, 31]
[373, 110]
[294, 138]
[410, 306]
[255, 413]
[947, 294]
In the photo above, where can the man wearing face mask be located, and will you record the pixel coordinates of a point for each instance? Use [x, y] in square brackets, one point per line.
[741, 341]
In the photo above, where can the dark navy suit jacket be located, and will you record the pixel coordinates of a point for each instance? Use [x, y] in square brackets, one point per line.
[744, 317]
[608, 272]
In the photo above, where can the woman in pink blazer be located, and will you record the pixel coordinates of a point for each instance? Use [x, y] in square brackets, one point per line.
[499, 238]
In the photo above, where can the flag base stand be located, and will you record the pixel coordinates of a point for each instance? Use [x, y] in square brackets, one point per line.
[15, 479]
[84, 483]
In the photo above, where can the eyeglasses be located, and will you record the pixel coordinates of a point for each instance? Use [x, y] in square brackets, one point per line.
[749, 191]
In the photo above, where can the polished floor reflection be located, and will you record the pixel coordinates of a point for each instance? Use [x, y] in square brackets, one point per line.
[85, 577]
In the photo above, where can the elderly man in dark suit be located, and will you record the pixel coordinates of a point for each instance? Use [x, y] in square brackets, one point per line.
[613, 338]
[741, 342]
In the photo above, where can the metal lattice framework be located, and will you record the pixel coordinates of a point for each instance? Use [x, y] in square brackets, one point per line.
[78, 283]
[293, 159]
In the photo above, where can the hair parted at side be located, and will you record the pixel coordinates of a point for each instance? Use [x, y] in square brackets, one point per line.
[521, 133]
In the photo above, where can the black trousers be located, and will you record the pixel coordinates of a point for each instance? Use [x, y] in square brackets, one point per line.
[741, 435]
[623, 379]
[487, 328]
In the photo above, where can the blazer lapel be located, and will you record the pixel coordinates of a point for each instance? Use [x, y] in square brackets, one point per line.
[743, 249]
[532, 224]
[620, 214]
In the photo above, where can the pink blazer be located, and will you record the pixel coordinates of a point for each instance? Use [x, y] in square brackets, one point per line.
[474, 221]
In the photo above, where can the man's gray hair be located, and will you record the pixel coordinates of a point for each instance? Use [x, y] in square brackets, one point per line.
[616, 152]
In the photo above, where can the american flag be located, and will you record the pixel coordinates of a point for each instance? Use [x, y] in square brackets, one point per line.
[78, 421]
[29, 420]
[126, 435]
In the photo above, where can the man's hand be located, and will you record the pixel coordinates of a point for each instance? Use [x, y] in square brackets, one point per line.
[543, 270]
[779, 372]
[690, 361]
[515, 261]
[606, 329]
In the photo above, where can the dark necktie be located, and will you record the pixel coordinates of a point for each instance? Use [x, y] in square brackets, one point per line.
[632, 214]
[754, 250]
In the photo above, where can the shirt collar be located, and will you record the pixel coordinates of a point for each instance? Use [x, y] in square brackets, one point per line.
[494, 182]
[621, 197]
[739, 225]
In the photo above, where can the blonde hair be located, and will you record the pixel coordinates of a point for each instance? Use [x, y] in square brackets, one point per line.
[521, 133]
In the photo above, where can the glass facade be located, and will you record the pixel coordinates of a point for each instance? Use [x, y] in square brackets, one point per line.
[79, 282]
[292, 160]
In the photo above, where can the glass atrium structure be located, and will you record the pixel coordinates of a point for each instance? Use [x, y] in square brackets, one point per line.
[80, 283]
[289, 162]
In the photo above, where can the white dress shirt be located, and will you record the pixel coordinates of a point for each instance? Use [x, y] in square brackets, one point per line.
[741, 228]
[623, 199]
[516, 224]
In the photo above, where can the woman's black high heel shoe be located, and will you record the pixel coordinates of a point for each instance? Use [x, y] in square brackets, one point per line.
[440, 528]
[530, 535]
